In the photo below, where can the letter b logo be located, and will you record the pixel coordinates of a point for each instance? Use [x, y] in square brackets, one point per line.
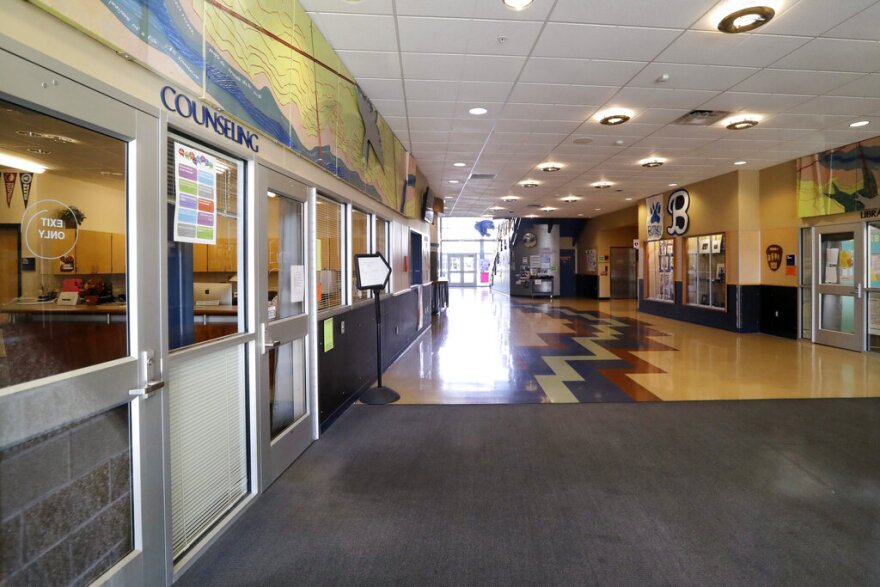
[677, 207]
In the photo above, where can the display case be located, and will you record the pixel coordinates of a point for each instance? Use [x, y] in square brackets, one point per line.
[660, 265]
[706, 271]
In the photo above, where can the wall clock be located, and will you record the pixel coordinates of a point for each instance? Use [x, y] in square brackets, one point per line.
[529, 240]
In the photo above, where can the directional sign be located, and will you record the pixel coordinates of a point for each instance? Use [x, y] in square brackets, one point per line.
[372, 271]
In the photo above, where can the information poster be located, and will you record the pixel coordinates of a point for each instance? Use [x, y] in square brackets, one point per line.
[592, 261]
[297, 283]
[195, 180]
[874, 265]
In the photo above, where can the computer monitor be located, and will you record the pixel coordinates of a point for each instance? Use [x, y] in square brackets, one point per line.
[212, 294]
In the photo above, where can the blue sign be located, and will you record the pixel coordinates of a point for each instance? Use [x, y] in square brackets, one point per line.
[204, 116]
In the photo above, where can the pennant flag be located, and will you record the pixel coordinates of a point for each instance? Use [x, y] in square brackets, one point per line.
[26, 179]
[9, 181]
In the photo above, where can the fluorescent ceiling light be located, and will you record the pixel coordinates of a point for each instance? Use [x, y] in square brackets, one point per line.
[459, 164]
[860, 123]
[740, 162]
[19, 163]
[477, 111]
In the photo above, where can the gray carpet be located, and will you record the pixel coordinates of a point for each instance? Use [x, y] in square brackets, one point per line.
[713, 493]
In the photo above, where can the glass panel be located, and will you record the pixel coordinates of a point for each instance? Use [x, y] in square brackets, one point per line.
[806, 256]
[62, 248]
[468, 278]
[455, 263]
[707, 271]
[286, 269]
[838, 313]
[208, 429]
[838, 251]
[874, 322]
[455, 278]
[329, 254]
[360, 244]
[806, 313]
[468, 263]
[287, 385]
[874, 256]
[660, 259]
[382, 238]
[204, 206]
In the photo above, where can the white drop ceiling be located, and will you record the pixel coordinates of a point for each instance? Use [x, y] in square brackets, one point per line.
[809, 73]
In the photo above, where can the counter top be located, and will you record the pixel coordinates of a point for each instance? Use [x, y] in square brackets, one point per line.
[114, 308]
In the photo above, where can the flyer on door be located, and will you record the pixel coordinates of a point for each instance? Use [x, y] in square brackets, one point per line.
[195, 210]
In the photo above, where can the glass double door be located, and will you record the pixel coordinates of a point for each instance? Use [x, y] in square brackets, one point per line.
[463, 270]
[840, 288]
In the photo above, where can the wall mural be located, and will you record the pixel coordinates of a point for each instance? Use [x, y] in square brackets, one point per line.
[265, 64]
[839, 180]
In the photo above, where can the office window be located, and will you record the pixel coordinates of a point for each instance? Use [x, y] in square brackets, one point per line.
[382, 227]
[706, 271]
[204, 206]
[660, 261]
[360, 244]
[330, 230]
[63, 270]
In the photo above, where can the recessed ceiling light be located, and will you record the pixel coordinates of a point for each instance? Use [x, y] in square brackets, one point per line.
[18, 163]
[597, 209]
[602, 185]
[860, 123]
[497, 208]
[517, 4]
[119, 174]
[459, 164]
[29, 133]
[582, 141]
[448, 198]
[60, 139]
[580, 214]
[529, 183]
[742, 122]
[39, 151]
[486, 216]
[510, 198]
[453, 181]
[548, 209]
[477, 111]
[652, 162]
[570, 199]
[740, 162]
[550, 167]
[628, 199]
[531, 215]
[613, 116]
[746, 19]
[673, 185]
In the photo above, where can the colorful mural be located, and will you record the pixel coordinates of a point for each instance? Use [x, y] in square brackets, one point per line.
[840, 180]
[268, 66]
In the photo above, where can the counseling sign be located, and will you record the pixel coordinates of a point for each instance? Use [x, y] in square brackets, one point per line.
[195, 180]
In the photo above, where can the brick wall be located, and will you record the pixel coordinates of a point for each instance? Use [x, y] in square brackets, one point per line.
[65, 503]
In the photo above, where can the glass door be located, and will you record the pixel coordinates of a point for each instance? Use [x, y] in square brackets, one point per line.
[839, 286]
[874, 287]
[287, 420]
[81, 389]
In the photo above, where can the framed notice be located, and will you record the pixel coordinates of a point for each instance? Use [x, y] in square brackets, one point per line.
[195, 185]
[592, 261]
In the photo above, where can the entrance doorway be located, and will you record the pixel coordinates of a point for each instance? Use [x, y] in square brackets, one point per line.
[839, 316]
[463, 270]
[624, 283]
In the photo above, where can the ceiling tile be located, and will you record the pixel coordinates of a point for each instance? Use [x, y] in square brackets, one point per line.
[580, 71]
[602, 42]
[433, 35]
[431, 90]
[382, 89]
[643, 98]
[434, 124]
[658, 115]
[717, 48]
[429, 66]
[561, 94]
[430, 108]
[390, 107]
[372, 7]
[357, 32]
[793, 81]
[519, 37]
[867, 86]
[862, 26]
[491, 68]
[804, 121]
[755, 103]
[834, 55]
[814, 17]
[378, 64]
[648, 13]
[484, 91]
[691, 77]
[838, 105]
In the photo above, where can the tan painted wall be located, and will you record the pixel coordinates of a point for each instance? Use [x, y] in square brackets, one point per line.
[617, 229]
[780, 224]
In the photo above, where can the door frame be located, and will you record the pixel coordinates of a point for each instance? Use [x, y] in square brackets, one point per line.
[276, 455]
[55, 89]
[857, 340]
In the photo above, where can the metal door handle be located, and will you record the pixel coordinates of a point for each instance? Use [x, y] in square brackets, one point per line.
[151, 388]
[858, 291]
[272, 344]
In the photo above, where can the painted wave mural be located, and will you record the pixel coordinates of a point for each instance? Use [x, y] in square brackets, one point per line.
[839, 180]
[265, 64]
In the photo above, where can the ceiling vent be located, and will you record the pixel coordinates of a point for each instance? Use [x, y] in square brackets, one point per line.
[701, 117]
[481, 176]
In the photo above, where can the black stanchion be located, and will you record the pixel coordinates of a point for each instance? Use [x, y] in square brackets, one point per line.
[372, 273]
[380, 394]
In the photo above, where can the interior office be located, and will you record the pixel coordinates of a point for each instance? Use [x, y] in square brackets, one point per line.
[274, 287]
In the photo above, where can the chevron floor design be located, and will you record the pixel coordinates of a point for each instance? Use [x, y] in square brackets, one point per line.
[490, 348]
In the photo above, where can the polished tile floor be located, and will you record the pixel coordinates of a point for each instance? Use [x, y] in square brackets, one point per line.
[490, 348]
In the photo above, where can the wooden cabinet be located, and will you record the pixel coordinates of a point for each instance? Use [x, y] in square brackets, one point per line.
[223, 257]
[117, 253]
[58, 247]
[273, 254]
[93, 252]
[200, 258]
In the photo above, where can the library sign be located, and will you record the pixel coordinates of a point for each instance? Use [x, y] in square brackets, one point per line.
[44, 232]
